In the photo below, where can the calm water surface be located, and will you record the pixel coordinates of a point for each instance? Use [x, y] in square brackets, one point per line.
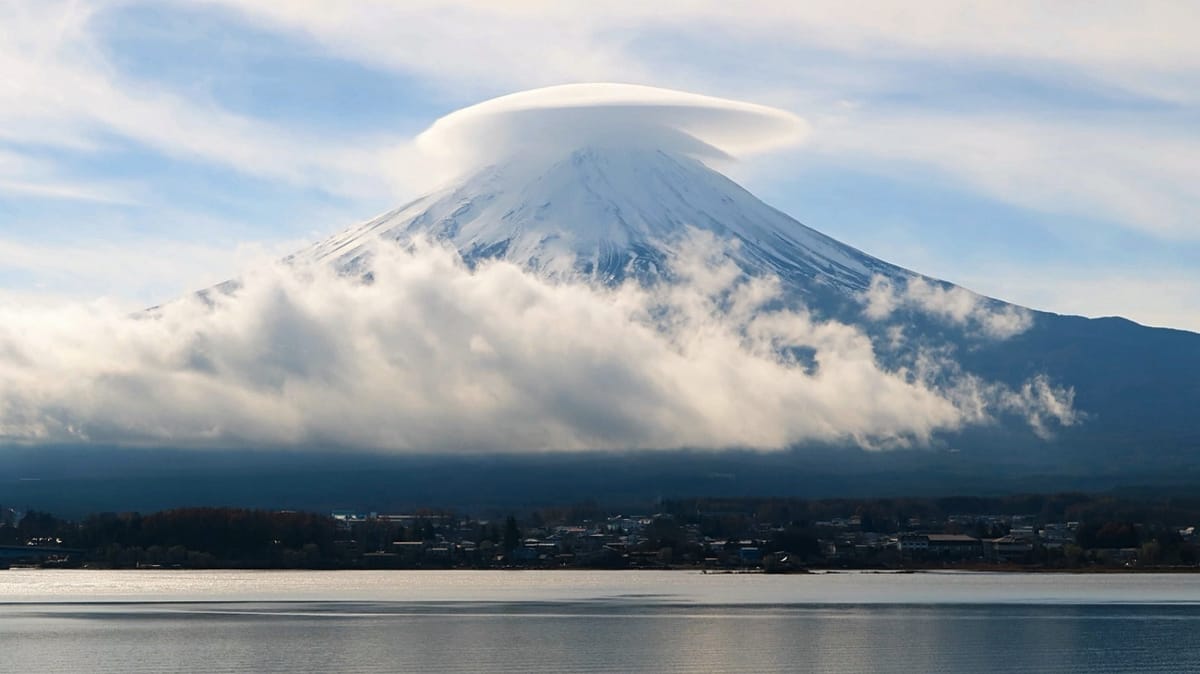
[564, 621]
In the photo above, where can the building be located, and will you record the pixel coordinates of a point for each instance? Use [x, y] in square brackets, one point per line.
[954, 546]
[1010, 548]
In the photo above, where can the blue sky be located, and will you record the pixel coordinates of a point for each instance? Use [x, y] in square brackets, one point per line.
[1046, 157]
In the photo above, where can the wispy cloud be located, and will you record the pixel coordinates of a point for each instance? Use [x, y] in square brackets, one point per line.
[54, 190]
[1159, 297]
[133, 274]
[1115, 170]
[1131, 168]
[951, 304]
[62, 92]
[1128, 168]
[531, 43]
[23, 175]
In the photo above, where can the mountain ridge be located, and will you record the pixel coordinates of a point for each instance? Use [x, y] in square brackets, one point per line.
[604, 214]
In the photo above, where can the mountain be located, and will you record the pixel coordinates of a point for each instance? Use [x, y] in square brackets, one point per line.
[594, 208]
[609, 212]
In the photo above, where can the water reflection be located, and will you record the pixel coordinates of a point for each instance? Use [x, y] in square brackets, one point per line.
[605, 623]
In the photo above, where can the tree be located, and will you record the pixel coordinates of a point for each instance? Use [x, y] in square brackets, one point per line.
[512, 534]
[1110, 534]
[798, 541]
[1150, 553]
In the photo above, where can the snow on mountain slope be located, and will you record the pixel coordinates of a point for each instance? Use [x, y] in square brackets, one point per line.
[601, 182]
[608, 212]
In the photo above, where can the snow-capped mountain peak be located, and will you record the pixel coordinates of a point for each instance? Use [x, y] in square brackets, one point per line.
[607, 212]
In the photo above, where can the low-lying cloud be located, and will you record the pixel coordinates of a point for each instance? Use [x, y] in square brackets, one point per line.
[951, 304]
[432, 356]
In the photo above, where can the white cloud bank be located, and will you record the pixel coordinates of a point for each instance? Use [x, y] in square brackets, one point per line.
[432, 356]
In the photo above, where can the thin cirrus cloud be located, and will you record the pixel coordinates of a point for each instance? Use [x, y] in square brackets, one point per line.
[1137, 47]
[1128, 165]
[65, 94]
[1164, 297]
[1140, 177]
[142, 270]
[21, 175]
[432, 356]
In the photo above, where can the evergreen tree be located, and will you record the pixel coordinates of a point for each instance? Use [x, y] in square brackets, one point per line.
[512, 534]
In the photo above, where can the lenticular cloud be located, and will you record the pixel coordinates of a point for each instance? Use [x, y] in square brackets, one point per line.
[433, 356]
[581, 114]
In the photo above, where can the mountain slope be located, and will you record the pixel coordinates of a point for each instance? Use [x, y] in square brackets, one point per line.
[607, 213]
[610, 212]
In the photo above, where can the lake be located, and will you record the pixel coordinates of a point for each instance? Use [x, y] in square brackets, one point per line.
[595, 621]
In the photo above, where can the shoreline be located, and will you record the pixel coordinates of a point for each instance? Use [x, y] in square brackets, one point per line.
[978, 569]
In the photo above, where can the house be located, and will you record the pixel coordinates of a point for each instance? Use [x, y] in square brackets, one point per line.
[750, 555]
[954, 546]
[913, 543]
[1010, 548]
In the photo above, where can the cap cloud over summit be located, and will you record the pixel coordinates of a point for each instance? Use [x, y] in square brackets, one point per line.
[576, 115]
